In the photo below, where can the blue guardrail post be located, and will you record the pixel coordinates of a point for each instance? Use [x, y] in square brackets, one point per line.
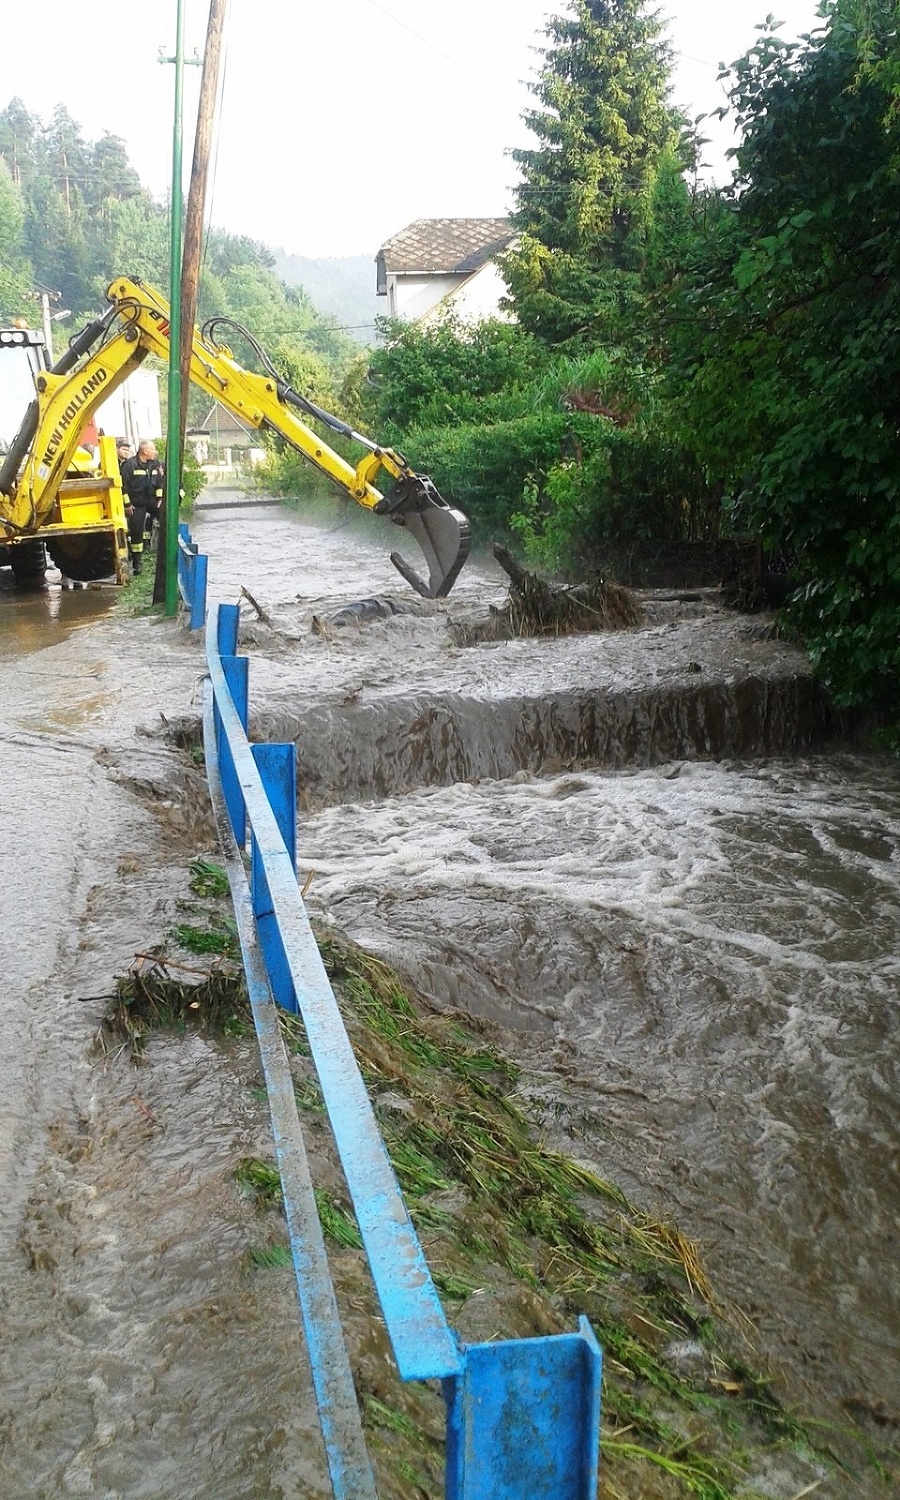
[192, 577]
[523, 1419]
[236, 670]
[277, 765]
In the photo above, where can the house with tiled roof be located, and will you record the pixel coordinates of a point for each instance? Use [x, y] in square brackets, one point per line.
[438, 266]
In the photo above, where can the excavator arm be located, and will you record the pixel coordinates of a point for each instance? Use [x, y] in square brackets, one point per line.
[137, 324]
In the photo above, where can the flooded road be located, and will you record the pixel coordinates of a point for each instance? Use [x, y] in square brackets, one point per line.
[126, 1297]
[627, 854]
[50, 779]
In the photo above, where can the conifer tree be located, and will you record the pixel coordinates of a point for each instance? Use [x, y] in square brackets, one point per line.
[19, 136]
[605, 132]
[15, 277]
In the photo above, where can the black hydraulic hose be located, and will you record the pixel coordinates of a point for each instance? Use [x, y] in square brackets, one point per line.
[286, 393]
[290, 397]
[18, 448]
[24, 438]
[83, 341]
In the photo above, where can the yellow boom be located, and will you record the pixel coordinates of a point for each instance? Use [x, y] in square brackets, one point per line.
[36, 483]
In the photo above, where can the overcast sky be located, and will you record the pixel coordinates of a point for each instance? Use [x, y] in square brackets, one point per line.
[341, 122]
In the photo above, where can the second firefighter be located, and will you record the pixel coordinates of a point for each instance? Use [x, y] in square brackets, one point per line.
[144, 484]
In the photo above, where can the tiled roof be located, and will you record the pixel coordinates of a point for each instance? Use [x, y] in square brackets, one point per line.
[220, 419]
[446, 246]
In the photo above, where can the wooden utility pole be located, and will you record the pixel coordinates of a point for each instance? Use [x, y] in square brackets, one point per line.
[185, 305]
[196, 203]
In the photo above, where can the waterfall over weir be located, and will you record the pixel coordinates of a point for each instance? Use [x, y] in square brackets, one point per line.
[385, 748]
[381, 708]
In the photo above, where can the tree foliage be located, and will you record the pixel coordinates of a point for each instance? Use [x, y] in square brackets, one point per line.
[789, 370]
[15, 271]
[444, 373]
[609, 144]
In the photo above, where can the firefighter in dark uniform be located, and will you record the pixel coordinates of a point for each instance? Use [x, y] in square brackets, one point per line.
[144, 484]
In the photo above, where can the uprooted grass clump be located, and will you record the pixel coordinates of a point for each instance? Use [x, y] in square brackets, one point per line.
[162, 992]
[209, 880]
[535, 608]
[684, 1411]
[158, 994]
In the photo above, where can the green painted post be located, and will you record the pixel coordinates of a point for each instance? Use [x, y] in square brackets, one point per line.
[173, 424]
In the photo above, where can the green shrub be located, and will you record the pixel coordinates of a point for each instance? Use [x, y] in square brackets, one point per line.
[487, 469]
[624, 484]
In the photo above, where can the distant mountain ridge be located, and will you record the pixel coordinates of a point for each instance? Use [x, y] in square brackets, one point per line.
[342, 285]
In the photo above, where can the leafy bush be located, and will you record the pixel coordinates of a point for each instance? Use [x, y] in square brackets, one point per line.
[193, 480]
[488, 469]
[566, 481]
[625, 484]
[441, 374]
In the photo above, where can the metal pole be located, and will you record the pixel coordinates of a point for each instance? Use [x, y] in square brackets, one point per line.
[173, 425]
[48, 326]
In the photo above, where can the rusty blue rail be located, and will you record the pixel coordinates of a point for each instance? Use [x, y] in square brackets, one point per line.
[523, 1416]
[192, 570]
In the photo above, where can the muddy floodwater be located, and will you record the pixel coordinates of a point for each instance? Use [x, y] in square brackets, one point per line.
[641, 860]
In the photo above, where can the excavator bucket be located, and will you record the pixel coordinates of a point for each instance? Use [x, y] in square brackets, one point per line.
[443, 534]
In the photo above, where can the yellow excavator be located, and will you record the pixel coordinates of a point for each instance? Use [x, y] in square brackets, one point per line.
[54, 493]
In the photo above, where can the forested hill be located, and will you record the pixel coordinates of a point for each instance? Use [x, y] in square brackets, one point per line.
[74, 214]
[343, 286]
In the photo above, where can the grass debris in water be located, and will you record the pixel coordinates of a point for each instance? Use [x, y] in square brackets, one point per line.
[160, 994]
[535, 608]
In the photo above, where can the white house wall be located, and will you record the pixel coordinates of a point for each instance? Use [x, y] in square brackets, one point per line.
[479, 296]
[410, 297]
[424, 298]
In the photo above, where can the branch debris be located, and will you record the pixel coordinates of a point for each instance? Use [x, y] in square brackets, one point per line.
[535, 608]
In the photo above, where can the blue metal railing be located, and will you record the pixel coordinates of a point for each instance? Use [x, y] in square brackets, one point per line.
[192, 566]
[523, 1416]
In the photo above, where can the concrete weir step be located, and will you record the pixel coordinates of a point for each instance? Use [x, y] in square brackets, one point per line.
[233, 500]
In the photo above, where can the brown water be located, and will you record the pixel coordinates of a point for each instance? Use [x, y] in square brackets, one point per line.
[695, 957]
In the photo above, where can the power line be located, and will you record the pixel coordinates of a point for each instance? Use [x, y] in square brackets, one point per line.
[424, 40]
[688, 57]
